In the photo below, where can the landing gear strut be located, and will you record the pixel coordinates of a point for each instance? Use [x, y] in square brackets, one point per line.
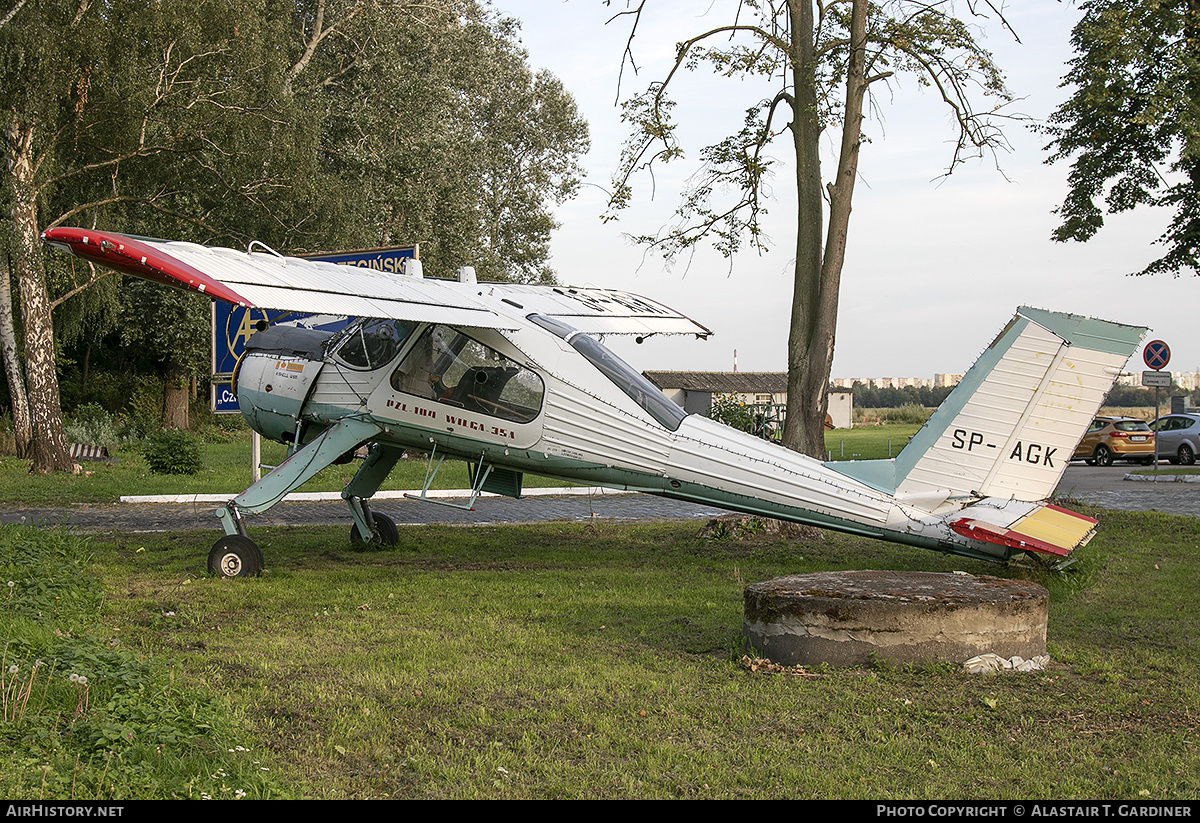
[236, 555]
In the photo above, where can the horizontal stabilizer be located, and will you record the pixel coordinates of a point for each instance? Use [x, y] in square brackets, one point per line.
[1047, 528]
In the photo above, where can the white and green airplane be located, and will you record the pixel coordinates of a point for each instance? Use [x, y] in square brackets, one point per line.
[512, 379]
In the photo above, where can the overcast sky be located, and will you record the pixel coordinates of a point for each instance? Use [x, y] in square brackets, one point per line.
[935, 266]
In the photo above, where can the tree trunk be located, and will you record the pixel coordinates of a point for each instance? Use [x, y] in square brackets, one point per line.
[45, 411]
[22, 430]
[819, 272]
[175, 407]
[803, 430]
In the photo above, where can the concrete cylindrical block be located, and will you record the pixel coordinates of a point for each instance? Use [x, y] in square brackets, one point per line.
[843, 618]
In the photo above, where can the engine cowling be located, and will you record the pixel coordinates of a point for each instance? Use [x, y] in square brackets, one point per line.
[275, 376]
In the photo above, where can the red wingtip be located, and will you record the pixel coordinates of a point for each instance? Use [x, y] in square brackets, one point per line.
[125, 254]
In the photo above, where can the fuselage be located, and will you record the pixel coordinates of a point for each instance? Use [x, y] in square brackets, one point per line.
[545, 400]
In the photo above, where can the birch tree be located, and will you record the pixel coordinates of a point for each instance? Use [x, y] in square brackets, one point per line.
[309, 125]
[102, 105]
[824, 59]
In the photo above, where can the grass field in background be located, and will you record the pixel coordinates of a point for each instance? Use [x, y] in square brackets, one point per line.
[226, 470]
[869, 442]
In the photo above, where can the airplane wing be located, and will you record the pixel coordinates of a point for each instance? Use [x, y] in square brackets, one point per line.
[601, 311]
[272, 281]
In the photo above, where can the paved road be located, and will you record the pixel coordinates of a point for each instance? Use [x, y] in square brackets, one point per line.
[1106, 487]
[177, 517]
[1101, 486]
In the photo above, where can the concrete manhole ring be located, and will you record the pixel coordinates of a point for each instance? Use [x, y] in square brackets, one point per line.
[843, 618]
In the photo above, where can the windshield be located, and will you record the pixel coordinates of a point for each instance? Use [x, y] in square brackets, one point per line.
[621, 374]
[373, 342]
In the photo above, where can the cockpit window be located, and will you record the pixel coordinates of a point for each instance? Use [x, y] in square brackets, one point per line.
[447, 366]
[624, 376]
[372, 343]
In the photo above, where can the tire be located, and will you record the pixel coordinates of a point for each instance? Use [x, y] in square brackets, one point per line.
[1146, 461]
[235, 556]
[386, 533]
[1187, 457]
[1104, 456]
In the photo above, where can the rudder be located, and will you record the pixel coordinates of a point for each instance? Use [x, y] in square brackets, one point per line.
[1010, 426]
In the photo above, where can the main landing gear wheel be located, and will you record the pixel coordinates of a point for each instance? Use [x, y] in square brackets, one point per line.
[235, 556]
[386, 533]
[1104, 456]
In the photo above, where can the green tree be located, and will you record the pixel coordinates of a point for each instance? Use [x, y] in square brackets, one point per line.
[309, 125]
[109, 109]
[399, 121]
[1131, 129]
[821, 58]
[431, 116]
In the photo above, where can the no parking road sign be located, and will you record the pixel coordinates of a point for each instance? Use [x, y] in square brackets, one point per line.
[1156, 354]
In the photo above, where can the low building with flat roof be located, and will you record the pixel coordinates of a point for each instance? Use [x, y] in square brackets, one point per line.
[694, 390]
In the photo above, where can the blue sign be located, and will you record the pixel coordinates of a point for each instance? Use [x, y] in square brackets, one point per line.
[387, 260]
[233, 325]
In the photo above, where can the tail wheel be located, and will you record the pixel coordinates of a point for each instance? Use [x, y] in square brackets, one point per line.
[235, 556]
[1186, 456]
[384, 534]
[1104, 456]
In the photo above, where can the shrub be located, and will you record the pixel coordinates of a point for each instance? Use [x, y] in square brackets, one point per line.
[909, 414]
[91, 424]
[171, 451]
[145, 407]
[726, 409]
[8, 437]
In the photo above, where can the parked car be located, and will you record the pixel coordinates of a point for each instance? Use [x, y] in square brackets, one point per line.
[1116, 438]
[1178, 437]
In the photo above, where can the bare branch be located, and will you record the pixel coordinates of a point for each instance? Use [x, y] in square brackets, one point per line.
[4, 20]
[92, 280]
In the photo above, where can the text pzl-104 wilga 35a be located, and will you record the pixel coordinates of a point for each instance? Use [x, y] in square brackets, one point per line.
[513, 379]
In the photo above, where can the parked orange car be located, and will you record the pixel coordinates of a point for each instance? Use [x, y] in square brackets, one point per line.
[1116, 438]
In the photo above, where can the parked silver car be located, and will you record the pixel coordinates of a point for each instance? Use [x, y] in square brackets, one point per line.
[1178, 437]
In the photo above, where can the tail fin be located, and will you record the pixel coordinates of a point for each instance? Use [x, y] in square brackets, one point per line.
[1010, 426]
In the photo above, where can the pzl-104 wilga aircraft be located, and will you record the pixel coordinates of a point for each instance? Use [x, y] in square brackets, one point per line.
[511, 379]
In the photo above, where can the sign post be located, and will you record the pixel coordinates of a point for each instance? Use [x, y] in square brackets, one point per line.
[1156, 355]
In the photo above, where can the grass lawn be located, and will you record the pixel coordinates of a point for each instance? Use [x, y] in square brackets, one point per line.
[558, 660]
[596, 660]
[226, 470]
[868, 442]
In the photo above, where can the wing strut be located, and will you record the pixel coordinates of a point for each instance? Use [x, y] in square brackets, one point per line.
[348, 433]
